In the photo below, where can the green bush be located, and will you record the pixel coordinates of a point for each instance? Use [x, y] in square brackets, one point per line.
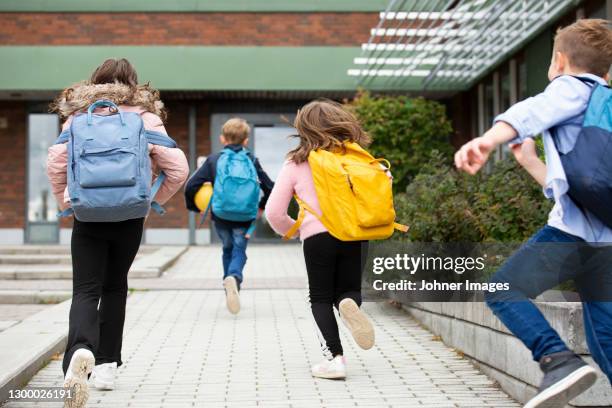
[443, 205]
[404, 131]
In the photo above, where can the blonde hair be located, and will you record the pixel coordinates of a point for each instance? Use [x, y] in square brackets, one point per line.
[587, 44]
[235, 131]
[325, 124]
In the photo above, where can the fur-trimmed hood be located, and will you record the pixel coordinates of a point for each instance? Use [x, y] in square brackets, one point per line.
[79, 96]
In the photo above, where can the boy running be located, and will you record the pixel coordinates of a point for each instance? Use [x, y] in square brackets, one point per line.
[581, 58]
[232, 229]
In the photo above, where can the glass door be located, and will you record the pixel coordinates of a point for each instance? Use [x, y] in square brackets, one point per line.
[42, 225]
[271, 145]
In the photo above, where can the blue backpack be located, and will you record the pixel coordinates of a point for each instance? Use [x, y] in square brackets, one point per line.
[236, 188]
[588, 166]
[109, 169]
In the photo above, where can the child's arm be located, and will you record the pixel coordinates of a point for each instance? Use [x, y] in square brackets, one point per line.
[202, 175]
[527, 156]
[266, 184]
[57, 168]
[280, 197]
[565, 98]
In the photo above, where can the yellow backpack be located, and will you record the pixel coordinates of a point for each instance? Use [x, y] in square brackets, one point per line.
[354, 193]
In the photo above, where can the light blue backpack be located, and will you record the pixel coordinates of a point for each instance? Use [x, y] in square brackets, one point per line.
[109, 169]
[236, 188]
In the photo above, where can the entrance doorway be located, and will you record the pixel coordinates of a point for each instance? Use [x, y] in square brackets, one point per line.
[41, 221]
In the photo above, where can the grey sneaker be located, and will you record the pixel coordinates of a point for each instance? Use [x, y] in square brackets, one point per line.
[565, 377]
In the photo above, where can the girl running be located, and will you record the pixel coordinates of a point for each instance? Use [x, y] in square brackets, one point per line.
[103, 252]
[333, 266]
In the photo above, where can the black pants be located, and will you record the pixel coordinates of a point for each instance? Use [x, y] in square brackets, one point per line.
[334, 273]
[102, 254]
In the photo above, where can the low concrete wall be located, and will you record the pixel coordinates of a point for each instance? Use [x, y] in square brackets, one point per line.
[471, 328]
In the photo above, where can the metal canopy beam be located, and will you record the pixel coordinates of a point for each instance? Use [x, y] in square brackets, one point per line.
[448, 44]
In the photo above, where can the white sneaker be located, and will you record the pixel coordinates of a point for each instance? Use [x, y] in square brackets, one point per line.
[103, 376]
[357, 322]
[81, 364]
[232, 297]
[331, 369]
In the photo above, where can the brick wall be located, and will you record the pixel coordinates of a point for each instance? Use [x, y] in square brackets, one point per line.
[177, 127]
[272, 29]
[13, 165]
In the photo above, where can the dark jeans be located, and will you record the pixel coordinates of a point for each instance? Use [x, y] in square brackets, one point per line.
[102, 254]
[537, 267]
[334, 273]
[234, 249]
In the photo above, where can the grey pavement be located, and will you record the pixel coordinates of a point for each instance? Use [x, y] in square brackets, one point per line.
[183, 349]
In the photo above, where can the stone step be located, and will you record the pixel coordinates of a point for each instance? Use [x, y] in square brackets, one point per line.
[54, 249]
[147, 265]
[41, 259]
[22, 297]
[34, 259]
[28, 346]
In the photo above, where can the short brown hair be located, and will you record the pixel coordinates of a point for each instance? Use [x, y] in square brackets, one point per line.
[235, 131]
[115, 71]
[587, 44]
[325, 124]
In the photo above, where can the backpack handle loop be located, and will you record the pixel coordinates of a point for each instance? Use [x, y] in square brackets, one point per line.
[103, 102]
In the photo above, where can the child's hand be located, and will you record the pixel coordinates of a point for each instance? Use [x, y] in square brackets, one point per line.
[525, 152]
[474, 154]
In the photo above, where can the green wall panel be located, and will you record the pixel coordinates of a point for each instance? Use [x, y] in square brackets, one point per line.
[182, 67]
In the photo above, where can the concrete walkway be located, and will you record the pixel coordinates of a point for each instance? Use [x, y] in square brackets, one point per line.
[183, 349]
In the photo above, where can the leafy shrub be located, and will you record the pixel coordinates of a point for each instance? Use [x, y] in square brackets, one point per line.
[404, 131]
[443, 205]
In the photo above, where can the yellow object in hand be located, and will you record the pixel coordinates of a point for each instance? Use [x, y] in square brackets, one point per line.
[203, 196]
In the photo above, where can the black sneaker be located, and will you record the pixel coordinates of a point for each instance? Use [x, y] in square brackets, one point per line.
[565, 377]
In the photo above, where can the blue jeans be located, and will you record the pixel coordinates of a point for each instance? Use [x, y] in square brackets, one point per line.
[234, 250]
[537, 267]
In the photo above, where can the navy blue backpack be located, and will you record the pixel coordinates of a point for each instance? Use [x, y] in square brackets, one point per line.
[588, 166]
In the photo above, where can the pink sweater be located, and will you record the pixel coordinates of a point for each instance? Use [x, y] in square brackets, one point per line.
[171, 161]
[293, 179]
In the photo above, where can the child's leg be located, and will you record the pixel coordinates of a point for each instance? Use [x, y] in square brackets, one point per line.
[320, 256]
[89, 257]
[598, 329]
[349, 271]
[533, 269]
[595, 287]
[122, 252]
[225, 235]
[347, 296]
[238, 256]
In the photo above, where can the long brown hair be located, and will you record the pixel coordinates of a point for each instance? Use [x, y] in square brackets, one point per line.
[115, 71]
[325, 124]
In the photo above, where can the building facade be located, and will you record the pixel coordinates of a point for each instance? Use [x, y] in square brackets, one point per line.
[214, 59]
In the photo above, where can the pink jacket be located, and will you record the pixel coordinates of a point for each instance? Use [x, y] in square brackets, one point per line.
[294, 179]
[171, 161]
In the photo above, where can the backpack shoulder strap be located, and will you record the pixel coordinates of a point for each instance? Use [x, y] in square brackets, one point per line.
[159, 138]
[64, 137]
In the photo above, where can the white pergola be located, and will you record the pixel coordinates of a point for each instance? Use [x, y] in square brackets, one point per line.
[448, 44]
